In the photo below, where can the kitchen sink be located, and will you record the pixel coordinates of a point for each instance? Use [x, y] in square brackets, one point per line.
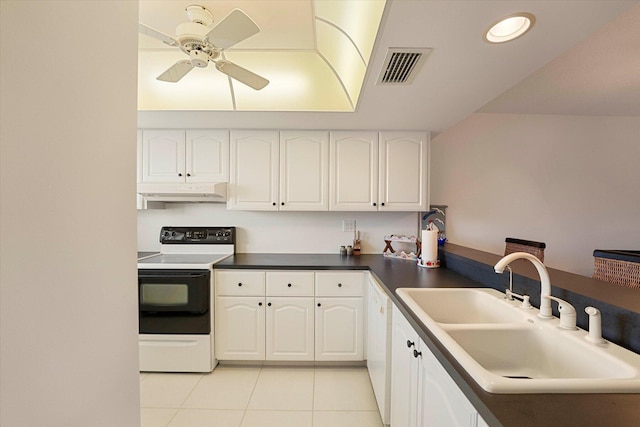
[462, 305]
[506, 348]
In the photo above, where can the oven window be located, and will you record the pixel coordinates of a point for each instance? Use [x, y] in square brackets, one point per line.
[163, 294]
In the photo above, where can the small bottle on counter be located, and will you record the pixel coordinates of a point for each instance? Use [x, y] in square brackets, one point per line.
[356, 247]
[349, 250]
[343, 250]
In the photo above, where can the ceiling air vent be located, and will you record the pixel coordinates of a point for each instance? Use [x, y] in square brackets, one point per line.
[401, 65]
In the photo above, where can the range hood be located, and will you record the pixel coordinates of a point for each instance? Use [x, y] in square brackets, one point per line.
[175, 192]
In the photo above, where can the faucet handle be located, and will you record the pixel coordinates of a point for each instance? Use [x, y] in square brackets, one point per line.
[567, 313]
[595, 326]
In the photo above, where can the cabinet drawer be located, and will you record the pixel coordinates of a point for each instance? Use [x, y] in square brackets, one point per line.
[340, 284]
[290, 283]
[239, 282]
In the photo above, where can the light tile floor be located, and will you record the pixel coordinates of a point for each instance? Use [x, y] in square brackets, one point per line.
[237, 396]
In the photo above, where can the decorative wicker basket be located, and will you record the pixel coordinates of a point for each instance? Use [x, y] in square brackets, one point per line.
[617, 266]
[518, 245]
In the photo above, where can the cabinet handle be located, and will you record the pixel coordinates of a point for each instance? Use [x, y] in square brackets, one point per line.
[417, 353]
[410, 343]
[282, 203]
[179, 174]
[269, 304]
[289, 285]
[260, 304]
[188, 174]
[374, 204]
[274, 203]
[382, 204]
[339, 285]
[240, 284]
[319, 304]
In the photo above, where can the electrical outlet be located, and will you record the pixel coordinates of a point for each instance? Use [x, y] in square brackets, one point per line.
[349, 225]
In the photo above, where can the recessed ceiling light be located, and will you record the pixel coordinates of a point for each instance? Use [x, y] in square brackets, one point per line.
[509, 27]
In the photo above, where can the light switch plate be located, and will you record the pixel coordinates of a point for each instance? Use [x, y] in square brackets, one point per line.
[349, 225]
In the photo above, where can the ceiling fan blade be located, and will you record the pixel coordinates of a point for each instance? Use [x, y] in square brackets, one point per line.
[232, 29]
[176, 71]
[148, 31]
[241, 74]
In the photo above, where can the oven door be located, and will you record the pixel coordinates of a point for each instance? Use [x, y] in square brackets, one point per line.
[174, 301]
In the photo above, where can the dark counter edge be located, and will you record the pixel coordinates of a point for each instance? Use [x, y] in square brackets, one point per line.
[500, 410]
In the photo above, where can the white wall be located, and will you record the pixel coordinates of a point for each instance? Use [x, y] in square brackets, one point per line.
[68, 306]
[572, 182]
[280, 232]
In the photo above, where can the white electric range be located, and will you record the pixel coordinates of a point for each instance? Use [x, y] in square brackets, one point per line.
[175, 298]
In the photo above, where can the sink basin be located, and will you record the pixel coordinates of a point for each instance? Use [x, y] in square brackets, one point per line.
[462, 305]
[508, 349]
[533, 359]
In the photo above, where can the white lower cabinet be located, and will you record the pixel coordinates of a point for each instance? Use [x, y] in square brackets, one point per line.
[422, 393]
[289, 328]
[289, 315]
[239, 328]
[339, 318]
[339, 329]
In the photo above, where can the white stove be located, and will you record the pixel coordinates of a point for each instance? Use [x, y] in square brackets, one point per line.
[175, 295]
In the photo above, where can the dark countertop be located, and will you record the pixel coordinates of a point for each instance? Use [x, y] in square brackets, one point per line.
[507, 410]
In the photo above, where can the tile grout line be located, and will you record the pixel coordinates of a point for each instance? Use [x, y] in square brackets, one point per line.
[246, 408]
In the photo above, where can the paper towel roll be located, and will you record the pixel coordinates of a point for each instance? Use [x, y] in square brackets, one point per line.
[429, 246]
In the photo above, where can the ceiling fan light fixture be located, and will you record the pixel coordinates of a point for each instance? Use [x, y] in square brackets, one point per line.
[509, 28]
[198, 58]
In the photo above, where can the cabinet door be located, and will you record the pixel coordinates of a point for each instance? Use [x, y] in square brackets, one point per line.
[304, 171]
[404, 373]
[354, 171]
[403, 171]
[339, 326]
[163, 155]
[289, 330]
[253, 182]
[239, 328]
[207, 155]
[441, 403]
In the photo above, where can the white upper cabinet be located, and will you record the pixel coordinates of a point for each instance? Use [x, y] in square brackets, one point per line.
[304, 170]
[175, 155]
[207, 155]
[403, 171]
[254, 170]
[163, 155]
[354, 171]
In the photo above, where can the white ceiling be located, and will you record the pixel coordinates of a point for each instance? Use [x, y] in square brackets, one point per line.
[571, 62]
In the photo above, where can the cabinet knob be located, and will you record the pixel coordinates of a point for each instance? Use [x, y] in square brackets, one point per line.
[319, 304]
[282, 203]
[188, 174]
[269, 304]
[382, 204]
[179, 174]
[339, 285]
[274, 203]
[239, 284]
[289, 285]
[260, 304]
[410, 343]
[417, 353]
[374, 204]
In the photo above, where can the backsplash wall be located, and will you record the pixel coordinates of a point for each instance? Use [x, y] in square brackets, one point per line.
[279, 232]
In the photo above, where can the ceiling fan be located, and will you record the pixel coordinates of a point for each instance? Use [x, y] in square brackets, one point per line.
[205, 42]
